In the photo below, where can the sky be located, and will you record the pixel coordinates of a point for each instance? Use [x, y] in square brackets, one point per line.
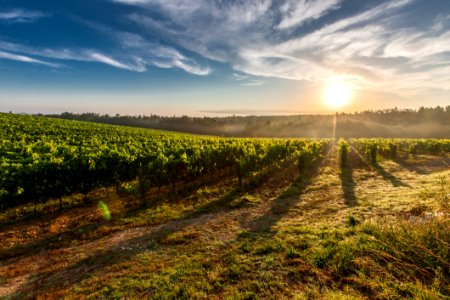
[221, 57]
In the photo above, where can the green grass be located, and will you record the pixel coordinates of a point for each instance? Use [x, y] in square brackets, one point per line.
[398, 260]
[245, 200]
[302, 241]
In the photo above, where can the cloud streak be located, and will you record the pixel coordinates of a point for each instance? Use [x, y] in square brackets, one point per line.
[365, 42]
[21, 16]
[297, 12]
[368, 47]
[58, 54]
[247, 80]
[112, 62]
[137, 55]
[142, 52]
[133, 52]
[26, 59]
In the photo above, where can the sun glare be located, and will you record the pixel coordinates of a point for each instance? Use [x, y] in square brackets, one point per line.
[337, 94]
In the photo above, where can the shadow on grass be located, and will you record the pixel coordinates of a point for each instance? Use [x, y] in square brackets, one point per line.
[89, 228]
[86, 229]
[355, 161]
[389, 176]
[51, 209]
[283, 203]
[116, 253]
[54, 210]
[155, 238]
[377, 167]
[348, 186]
[411, 167]
[424, 165]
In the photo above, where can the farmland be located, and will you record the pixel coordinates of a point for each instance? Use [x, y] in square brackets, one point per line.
[102, 211]
[44, 158]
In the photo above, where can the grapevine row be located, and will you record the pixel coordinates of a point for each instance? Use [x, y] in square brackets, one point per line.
[44, 158]
[396, 148]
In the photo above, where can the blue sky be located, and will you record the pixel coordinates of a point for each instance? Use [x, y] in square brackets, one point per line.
[198, 57]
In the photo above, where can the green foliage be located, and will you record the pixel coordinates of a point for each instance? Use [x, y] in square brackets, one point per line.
[393, 148]
[43, 158]
[343, 147]
[309, 154]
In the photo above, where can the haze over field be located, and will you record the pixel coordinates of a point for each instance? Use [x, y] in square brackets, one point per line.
[223, 57]
[224, 149]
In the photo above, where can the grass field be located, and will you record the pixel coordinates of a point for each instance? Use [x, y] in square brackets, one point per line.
[361, 232]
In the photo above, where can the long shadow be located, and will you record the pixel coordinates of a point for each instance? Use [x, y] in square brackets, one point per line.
[380, 170]
[346, 175]
[283, 203]
[53, 241]
[32, 216]
[424, 167]
[415, 168]
[389, 176]
[348, 186]
[126, 250]
[155, 194]
[115, 254]
[60, 239]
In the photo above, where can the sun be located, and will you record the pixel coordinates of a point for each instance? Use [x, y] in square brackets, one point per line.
[337, 94]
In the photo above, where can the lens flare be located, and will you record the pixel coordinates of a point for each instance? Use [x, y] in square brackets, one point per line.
[104, 210]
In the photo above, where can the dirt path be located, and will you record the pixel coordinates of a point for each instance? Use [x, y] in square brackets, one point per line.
[30, 272]
[326, 198]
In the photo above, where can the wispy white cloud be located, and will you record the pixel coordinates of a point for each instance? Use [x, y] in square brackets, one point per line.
[136, 56]
[213, 29]
[253, 82]
[239, 77]
[141, 52]
[190, 67]
[26, 59]
[369, 47]
[154, 54]
[297, 12]
[86, 55]
[21, 16]
[133, 52]
[112, 62]
[247, 80]
[300, 40]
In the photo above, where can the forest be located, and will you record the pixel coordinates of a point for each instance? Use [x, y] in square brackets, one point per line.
[389, 123]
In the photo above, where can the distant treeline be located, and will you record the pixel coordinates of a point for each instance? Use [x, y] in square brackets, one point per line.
[424, 122]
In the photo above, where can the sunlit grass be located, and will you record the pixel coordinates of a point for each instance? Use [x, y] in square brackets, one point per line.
[317, 247]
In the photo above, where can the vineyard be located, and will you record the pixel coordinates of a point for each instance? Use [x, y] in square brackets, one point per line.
[44, 158]
[176, 216]
[401, 148]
